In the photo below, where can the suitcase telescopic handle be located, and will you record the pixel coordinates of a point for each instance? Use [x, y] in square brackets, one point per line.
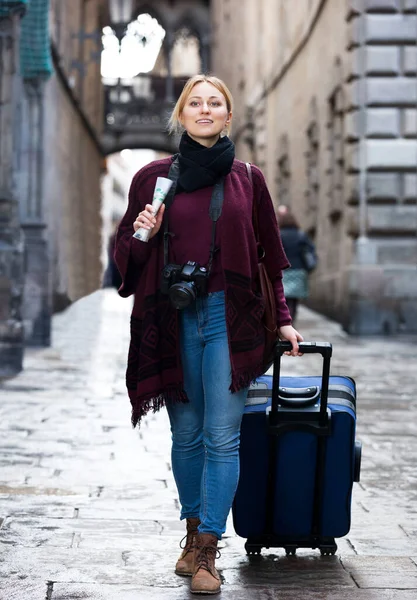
[323, 348]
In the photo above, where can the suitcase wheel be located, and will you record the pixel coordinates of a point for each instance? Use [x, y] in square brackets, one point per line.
[253, 548]
[328, 550]
[290, 550]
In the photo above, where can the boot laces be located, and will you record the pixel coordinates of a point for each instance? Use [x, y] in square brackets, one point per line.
[189, 538]
[206, 557]
[188, 541]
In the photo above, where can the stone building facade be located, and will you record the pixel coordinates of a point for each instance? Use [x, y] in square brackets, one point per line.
[62, 167]
[54, 128]
[137, 110]
[73, 159]
[51, 117]
[326, 104]
[11, 237]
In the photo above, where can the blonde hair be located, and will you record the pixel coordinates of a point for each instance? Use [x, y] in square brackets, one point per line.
[174, 123]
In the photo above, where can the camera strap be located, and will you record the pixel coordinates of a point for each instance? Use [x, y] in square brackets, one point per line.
[215, 210]
[173, 174]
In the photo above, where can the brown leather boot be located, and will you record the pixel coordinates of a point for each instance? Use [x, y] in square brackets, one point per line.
[206, 579]
[185, 563]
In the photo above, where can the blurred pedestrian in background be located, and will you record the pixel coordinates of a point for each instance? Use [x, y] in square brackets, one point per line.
[111, 277]
[302, 256]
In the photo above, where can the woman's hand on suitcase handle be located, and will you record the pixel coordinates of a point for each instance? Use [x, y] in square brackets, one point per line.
[287, 332]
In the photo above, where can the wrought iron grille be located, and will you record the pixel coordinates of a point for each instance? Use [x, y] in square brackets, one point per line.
[140, 102]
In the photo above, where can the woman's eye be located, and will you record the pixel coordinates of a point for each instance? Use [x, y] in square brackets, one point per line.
[215, 103]
[194, 103]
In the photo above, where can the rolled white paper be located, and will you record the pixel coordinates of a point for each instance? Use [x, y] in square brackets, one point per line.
[162, 187]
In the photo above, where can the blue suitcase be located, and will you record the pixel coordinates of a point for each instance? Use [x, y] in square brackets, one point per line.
[298, 459]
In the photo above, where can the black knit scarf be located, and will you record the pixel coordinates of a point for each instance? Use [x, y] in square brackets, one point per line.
[200, 166]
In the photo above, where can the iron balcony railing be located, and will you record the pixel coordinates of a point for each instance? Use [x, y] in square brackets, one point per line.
[144, 101]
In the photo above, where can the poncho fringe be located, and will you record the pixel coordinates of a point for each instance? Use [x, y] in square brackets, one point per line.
[155, 403]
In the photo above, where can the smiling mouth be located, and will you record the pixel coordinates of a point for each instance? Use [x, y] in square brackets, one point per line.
[205, 122]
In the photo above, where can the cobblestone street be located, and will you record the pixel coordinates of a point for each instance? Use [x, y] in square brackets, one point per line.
[88, 506]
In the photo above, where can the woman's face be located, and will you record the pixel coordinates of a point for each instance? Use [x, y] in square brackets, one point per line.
[205, 114]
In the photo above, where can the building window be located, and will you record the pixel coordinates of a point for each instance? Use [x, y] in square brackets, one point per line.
[283, 179]
[336, 159]
[186, 58]
[312, 170]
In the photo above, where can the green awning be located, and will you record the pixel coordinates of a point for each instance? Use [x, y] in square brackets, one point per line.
[35, 53]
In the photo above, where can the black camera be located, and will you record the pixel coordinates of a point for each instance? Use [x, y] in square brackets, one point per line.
[183, 283]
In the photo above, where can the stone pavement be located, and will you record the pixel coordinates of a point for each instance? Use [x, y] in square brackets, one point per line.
[88, 506]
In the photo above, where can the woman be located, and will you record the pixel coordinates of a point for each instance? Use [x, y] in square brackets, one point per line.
[301, 254]
[200, 360]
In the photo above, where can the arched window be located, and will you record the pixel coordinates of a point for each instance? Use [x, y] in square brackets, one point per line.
[312, 168]
[284, 173]
[336, 158]
[186, 59]
[335, 178]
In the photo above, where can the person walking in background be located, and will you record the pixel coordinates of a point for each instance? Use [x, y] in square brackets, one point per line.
[111, 277]
[302, 256]
[197, 337]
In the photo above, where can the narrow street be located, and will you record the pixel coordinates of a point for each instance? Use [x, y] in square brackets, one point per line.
[88, 506]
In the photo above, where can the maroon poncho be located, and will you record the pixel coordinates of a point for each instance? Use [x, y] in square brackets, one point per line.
[154, 373]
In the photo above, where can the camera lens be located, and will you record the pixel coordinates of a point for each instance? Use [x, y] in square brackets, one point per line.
[182, 294]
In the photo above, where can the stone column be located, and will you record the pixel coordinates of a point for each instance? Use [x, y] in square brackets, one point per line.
[11, 237]
[35, 67]
[36, 306]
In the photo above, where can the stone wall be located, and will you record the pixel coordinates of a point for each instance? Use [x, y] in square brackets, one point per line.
[74, 100]
[326, 105]
[72, 199]
[11, 237]
[60, 167]
[382, 142]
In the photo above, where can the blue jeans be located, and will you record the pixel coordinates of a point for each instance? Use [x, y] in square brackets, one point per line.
[206, 430]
